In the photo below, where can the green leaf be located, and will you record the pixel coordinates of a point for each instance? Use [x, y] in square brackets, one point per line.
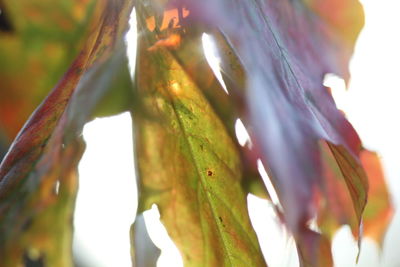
[188, 164]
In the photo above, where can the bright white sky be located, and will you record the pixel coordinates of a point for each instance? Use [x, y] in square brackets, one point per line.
[107, 199]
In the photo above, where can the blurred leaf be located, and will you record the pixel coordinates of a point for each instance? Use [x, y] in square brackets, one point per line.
[334, 209]
[3, 145]
[198, 187]
[314, 249]
[234, 77]
[379, 210]
[119, 95]
[45, 38]
[5, 23]
[38, 175]
[286, 49]
[344, 18]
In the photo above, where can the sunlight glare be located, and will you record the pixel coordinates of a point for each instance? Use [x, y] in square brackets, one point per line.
[276, 244]
[107, 197]
[338, 90]
[213, 59]
[267, 181]
[131, 42]
[242, 135]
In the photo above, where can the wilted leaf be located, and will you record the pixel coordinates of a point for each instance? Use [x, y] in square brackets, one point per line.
[38, 175]
[197, 185]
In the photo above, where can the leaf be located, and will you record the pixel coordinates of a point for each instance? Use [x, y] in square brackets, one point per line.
[286, 49]
[38, 175]
[191, 56]
[198, 187]
[234, 77]
[36, 225]
[335, 210]
[119, 96]
[43, 39]
[314, 249]
[3, 145]
[379, 210]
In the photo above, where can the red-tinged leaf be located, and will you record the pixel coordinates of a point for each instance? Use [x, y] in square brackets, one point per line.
[335, 208]
[355, 177]
[286, 50]
[314, 249]
[344, 17]
[30, 142]
[36, 221]
[379, 210]
[38, 175]
[198, 186]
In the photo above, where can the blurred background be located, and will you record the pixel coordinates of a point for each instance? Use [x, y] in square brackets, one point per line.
[107, 197]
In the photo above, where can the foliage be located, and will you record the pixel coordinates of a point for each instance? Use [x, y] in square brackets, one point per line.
[274, 55]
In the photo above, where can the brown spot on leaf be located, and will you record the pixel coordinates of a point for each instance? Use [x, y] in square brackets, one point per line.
[222, 222]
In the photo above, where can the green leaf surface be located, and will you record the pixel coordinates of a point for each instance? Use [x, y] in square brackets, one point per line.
[197, 182]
